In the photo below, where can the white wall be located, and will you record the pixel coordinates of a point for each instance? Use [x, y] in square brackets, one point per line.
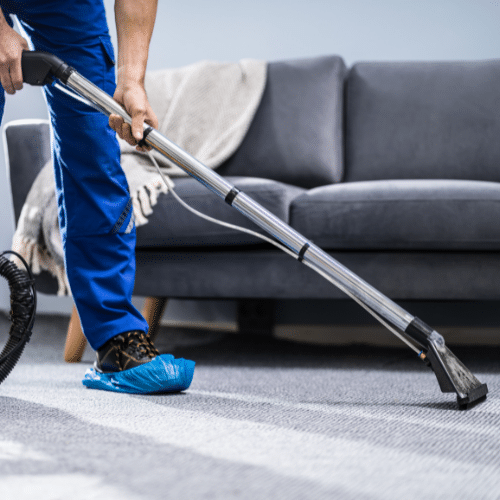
[356, 29]
[191, 30]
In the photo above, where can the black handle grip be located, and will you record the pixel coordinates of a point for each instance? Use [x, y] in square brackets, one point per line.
[40, 68]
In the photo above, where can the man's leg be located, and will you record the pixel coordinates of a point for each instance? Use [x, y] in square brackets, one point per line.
[95, 212]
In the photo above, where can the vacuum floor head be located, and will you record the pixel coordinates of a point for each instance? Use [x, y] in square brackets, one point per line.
[454, 376]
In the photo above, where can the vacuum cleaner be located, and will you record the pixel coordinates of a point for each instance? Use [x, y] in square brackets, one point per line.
[40, 68]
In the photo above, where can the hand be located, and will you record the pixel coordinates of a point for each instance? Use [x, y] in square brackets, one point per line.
[133, 98]
[11, 50]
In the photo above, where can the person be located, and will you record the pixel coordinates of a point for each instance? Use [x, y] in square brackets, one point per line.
[94, 204]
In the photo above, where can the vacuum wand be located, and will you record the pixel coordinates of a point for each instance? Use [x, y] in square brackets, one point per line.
[452, 375]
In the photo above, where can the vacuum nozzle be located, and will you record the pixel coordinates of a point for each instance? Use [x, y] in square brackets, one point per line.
[452, 374]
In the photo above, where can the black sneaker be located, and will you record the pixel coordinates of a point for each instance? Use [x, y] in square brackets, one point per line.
[125, 351]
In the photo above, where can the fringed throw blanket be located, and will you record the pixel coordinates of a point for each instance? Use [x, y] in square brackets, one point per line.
[206, 108]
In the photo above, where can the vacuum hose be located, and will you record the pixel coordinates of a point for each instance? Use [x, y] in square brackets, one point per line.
[22, 312]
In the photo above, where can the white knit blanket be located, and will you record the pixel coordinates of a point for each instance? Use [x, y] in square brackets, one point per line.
[205, 108]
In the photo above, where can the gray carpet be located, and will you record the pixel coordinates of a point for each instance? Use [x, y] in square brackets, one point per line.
[263, 419]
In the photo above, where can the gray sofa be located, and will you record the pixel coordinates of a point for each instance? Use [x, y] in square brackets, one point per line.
[393, 168]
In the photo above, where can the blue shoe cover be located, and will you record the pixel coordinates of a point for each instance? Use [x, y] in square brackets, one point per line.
[162, 374]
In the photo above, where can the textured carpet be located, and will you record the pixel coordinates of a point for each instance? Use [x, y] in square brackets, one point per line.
[263, 419]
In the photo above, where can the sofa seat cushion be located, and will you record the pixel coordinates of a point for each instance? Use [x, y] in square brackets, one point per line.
[172, 225]
[401, 214]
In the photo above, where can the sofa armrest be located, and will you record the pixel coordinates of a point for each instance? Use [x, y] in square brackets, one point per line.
[27, 146]
[27, 150]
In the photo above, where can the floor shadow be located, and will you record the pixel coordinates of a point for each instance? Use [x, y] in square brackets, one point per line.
[260, 351]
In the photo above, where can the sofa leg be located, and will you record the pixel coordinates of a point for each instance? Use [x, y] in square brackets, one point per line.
[75, 340]
[153, 310]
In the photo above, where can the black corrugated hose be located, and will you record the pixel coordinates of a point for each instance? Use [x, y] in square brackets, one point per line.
[22, 311]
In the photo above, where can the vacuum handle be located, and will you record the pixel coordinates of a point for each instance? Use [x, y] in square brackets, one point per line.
[39, 68]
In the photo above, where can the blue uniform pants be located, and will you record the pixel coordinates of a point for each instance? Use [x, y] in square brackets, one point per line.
[95, 209]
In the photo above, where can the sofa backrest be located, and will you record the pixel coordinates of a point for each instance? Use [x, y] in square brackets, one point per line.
[296, 134]
[28, 150]
[435, 120]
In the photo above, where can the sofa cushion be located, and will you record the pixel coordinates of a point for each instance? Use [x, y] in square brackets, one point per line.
[296, 134]
[400, 214]
[423, 121]
[172, 225]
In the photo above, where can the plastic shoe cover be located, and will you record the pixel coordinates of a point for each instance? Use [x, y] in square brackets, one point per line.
[162, 374]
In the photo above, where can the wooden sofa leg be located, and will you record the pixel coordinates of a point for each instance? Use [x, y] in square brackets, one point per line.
[75, 340]
[153, 310]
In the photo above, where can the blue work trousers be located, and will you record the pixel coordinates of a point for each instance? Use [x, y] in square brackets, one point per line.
[95, 209]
